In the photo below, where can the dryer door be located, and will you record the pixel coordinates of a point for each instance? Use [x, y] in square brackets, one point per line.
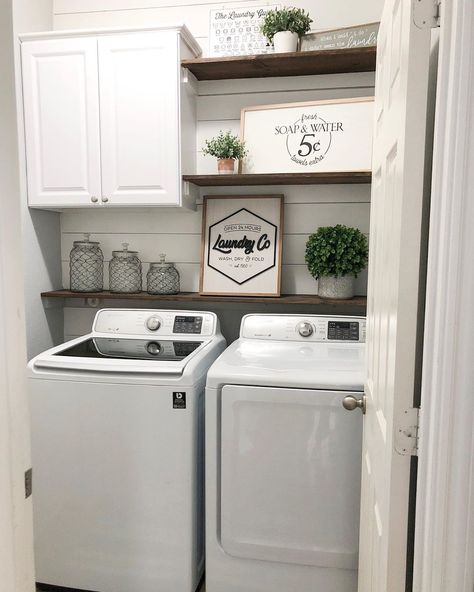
[290, 476]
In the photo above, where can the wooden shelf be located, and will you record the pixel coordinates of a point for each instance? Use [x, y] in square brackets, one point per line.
[289, 299]
[280, 179]
[300, 63]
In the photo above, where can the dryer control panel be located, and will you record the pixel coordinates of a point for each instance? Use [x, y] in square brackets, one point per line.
[315, 328]
[162, 323]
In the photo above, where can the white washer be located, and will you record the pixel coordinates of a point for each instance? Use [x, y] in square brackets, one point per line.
[283, 457]
[117, 441]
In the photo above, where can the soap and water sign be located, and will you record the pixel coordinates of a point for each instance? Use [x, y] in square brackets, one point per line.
[315, 136]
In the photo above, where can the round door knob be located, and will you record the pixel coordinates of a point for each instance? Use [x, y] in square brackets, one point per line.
[105, 199]
[305, 329]
[153, 324]
[94, 199]
[350, 403]
[153, 348]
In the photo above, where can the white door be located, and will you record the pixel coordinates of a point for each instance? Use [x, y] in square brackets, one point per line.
[393, 292]
[62, 122]
[139, 109]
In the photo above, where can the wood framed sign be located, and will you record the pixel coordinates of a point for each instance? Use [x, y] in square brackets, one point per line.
[358, 36]
[309, 137]
[241, 245]
[236, 31]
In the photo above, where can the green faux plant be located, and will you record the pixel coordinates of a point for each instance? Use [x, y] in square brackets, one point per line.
[225, 145]
[336, 251]
[295, 20]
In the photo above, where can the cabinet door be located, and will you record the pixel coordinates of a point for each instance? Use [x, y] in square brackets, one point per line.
[139, 118]
[61, 106]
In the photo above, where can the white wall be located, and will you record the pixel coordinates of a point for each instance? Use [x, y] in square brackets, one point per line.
[218, 107]
[326, 14]
[41, 229]
[16, 533]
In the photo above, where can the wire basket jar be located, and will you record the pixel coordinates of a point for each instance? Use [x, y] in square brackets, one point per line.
[162, 277]
[86, 266]
[125, 271]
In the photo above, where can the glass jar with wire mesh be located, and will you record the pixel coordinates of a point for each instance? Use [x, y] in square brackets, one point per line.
[125, 271]
[86, 266]
[162, 277]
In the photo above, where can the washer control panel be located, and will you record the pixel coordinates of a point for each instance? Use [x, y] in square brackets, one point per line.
[343, 330]
[314, 328]
[155, 322]
[187, 324]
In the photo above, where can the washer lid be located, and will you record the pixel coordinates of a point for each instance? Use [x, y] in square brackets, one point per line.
[120, 355]
[153, 350]
[330, 366]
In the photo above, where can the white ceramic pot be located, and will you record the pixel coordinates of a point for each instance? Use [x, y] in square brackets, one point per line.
[336, 287]
[285, 41]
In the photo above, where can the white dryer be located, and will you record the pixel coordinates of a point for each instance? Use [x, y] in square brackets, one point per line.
[283, 457]
[117, 443]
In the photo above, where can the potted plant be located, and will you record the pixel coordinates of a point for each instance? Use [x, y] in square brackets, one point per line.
[334, 256]
[227, 148]
[283, 27]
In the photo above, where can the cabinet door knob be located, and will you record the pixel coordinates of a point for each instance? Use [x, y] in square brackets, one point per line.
[105, 199]
[94, 199]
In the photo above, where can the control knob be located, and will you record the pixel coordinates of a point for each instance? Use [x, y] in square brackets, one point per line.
[153, 348]
[305, 329]
[153, 323]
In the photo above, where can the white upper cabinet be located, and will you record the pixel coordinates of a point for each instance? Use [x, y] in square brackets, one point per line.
[139, 119]
[103, 119]
[61, 104]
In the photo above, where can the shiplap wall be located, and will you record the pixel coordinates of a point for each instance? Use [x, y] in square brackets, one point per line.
[218, 107]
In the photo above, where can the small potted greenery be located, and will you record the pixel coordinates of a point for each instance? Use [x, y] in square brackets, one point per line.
[283, 27]
[334, 256]
[227, 148]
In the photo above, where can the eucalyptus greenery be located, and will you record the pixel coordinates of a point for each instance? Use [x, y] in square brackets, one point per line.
[336, 251]
[225, 145]
[295, 20]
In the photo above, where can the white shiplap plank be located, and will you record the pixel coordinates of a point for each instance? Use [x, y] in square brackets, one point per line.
[157, 220]
[300, 218]
[363, 80]
[76, 14]
[79, 6]
[224, 107]
[300, 193]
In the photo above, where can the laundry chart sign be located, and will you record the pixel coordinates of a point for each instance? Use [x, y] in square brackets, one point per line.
[236, 31]
[315, 136]
[241, 245]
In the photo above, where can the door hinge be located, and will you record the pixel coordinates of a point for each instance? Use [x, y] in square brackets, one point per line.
[406, 436]
[28, 483]
[427, 13]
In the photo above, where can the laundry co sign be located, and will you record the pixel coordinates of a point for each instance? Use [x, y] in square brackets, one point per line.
[316, 136]
[242, 245]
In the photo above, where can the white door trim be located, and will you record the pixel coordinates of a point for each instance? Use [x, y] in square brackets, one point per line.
[444, 534]
[16, 528]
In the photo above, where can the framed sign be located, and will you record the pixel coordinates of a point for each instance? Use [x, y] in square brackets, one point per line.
[236, 31]
[359, 36]
[310, 137]
[241, 245]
